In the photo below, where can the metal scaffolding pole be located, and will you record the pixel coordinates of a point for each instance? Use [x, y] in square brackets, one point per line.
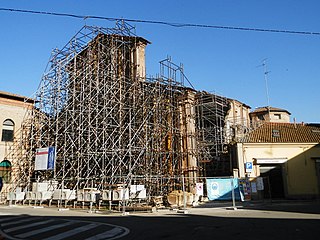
[113, 126]
[110, 124]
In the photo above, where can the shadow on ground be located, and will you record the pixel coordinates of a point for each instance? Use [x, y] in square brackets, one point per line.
[294, 206]
[262, 225]
[203, 227]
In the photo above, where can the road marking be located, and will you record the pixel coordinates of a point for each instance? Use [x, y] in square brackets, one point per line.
[72, 232]
[42, 230]
[46, 225]
[28, 225]
[19, 221]
[10, 218]
[111, 233]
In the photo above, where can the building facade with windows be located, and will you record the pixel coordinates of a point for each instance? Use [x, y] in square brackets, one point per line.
[286, 156]
[13, 110]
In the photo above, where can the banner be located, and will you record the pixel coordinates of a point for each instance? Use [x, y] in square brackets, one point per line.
[199, 189]
[260, 185]
[221, 188]
[245, 188]
[45, 158]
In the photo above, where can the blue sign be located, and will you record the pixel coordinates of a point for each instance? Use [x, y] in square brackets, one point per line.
[221, 188]
[249, 166]
[51, 158]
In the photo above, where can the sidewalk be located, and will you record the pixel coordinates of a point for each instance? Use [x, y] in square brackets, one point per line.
[302, 206]
[308, 207]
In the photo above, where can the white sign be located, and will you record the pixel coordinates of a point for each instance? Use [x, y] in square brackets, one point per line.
[45, 158]
[199, 189]
[271, 160]
[136, 188]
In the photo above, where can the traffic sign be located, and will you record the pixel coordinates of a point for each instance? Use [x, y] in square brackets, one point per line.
[249, 167]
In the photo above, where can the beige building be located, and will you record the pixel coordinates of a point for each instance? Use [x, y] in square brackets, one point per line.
[286, 155]
[13, 109]
[237, 120]
[269, 114]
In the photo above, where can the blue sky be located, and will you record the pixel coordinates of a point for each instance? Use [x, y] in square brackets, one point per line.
[227, 62]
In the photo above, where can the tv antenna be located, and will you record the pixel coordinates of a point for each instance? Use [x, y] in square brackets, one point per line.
[266, 72]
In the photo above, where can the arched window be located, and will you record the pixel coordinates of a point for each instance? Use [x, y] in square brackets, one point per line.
[5, 171]
[7, 131]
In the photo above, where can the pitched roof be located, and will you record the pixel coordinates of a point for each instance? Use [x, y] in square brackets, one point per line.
[270, 132]
[245, 105]
[14, 96]
[271, 109]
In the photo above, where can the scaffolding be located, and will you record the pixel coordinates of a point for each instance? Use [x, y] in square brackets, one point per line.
[109, 124]
[211, 112]
[113, 126]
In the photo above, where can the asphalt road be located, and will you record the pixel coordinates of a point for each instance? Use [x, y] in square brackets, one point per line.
[278, 220]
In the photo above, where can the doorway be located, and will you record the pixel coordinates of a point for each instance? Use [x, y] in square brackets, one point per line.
[273, 181]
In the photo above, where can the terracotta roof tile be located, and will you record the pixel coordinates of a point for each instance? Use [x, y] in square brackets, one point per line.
[284, 133]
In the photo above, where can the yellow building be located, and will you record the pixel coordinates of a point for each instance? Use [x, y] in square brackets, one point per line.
[286, 155]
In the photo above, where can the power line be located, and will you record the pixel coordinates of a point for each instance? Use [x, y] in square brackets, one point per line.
[160, 22]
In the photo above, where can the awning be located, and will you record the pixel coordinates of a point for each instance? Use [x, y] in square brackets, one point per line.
[5, 163]
[270, 160]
